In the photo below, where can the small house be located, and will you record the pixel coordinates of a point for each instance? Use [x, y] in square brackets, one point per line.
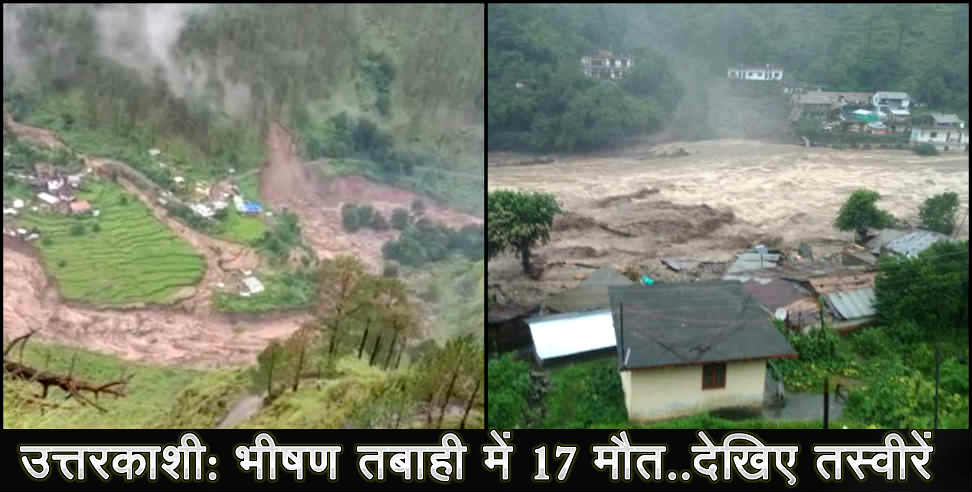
[54, 185]
[48, 199]
[9, 211]
[683, 349]
[79, 207]
[202, 210]
[178, 180]
[154, 152]
[756, 72]
[238, 203]
[18, 203]
[220, 205]
[569, 336]
[945, 131]
[895, 100]
[74, 180]
[252, 208]
[605, 65]
[253, 285]
[912, 244]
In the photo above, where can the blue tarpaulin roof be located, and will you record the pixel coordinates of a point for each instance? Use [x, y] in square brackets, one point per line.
[252, 207]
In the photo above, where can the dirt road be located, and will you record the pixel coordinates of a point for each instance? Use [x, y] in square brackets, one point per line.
[725, 195]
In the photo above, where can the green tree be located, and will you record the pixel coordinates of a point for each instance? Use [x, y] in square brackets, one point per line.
[938, 212]
[519, 221]
[399, 219]
[931, 290]
[859, 213]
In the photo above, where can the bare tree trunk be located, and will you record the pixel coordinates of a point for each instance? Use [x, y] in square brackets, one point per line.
[270, 375]
[374, 352]
[452, 383]
[300, 365]
[469, 404]
[364, 339]
[391, 351]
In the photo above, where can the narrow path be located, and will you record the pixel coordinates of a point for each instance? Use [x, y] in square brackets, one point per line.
[242, 410]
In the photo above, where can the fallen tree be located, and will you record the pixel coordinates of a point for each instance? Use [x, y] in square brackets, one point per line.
[69, 384]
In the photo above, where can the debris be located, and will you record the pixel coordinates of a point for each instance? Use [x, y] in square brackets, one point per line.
[247, 272]
[232, 170]
[806, 251]
[154, 152]
[96, 213]
[162, 202]
[269, 214]
[33, 237]
[9, 211]
[18, 204]
[178, 180]
[680, 264]
[220, 285]
[21, 231]
[244, 294]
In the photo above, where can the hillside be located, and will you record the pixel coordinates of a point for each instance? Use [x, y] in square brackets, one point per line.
[176, 178]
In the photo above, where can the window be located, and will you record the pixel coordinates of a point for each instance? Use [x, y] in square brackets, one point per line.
[934, 134]
[714, 376]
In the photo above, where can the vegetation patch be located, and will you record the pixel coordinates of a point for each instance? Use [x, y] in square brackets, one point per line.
[285, 290]
[132, 258]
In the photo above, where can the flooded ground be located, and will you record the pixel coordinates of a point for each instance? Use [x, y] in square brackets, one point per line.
[631, 207]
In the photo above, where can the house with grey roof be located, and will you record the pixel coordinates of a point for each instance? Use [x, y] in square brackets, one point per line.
[945, 131]
[590, 294]
[913, 243]
[688, 348]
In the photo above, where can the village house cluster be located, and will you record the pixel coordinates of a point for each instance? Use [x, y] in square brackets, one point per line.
[55, 191]
[688, 347]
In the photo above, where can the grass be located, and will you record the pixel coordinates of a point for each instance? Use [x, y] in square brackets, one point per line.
[284, 291]
[241, 228]
[157, 396]
[132, 259]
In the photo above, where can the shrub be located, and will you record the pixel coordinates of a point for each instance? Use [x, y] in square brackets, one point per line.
[585, 394]
[391, 270]
[508, 385]
[418, 207]
[349, 217]
[123, 200]
[61, 263]
[96, 227]
[379, 222]
[47, 241]
[77, 229]
[925, 149]
[871, 342]
[399, 219]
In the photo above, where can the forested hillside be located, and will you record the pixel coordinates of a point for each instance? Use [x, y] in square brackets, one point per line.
[207, 79]
[922, 49]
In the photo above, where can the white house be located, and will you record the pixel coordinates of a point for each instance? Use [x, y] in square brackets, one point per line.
[756, 72]
[894, 100]
[48, 199]
[202, 210]
[606, 65]
[253, 285]
[238, 203]
[945, 131]
[688, 348]
[54, 185]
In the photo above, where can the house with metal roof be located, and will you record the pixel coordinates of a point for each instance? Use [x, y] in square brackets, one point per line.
[945, 131]
[569, 336]
[687, 348]
[913, 243]
[590, 294]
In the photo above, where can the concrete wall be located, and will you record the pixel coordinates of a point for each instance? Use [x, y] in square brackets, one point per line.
[660, 393]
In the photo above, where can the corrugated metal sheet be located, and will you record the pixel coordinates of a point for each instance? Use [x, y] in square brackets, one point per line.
[916, 242]
[852, 304]
[842, 281]
[751, 261]
[884, 237]
[572, 333]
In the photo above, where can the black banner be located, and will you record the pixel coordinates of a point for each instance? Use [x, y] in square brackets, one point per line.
[947, 462]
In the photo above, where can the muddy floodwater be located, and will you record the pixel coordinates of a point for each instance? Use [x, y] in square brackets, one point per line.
[631, 207]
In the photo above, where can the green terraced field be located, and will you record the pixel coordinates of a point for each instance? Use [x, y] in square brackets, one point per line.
[132, 259]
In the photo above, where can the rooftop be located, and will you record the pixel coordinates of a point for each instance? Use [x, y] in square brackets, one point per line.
[914, 243]
[570, 334]
[693, 323]
[590, 294]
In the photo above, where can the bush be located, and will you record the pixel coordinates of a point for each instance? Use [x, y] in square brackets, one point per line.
[399, 219]
[379, 222]
[96, 227]
[349, 217]
[61, 263]
[391, 270]
[418, 207]
[123, 200]
[871, 342]
[925, 149]
[77, 229]
[585, 394]
[47, 241]
[508, 386]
